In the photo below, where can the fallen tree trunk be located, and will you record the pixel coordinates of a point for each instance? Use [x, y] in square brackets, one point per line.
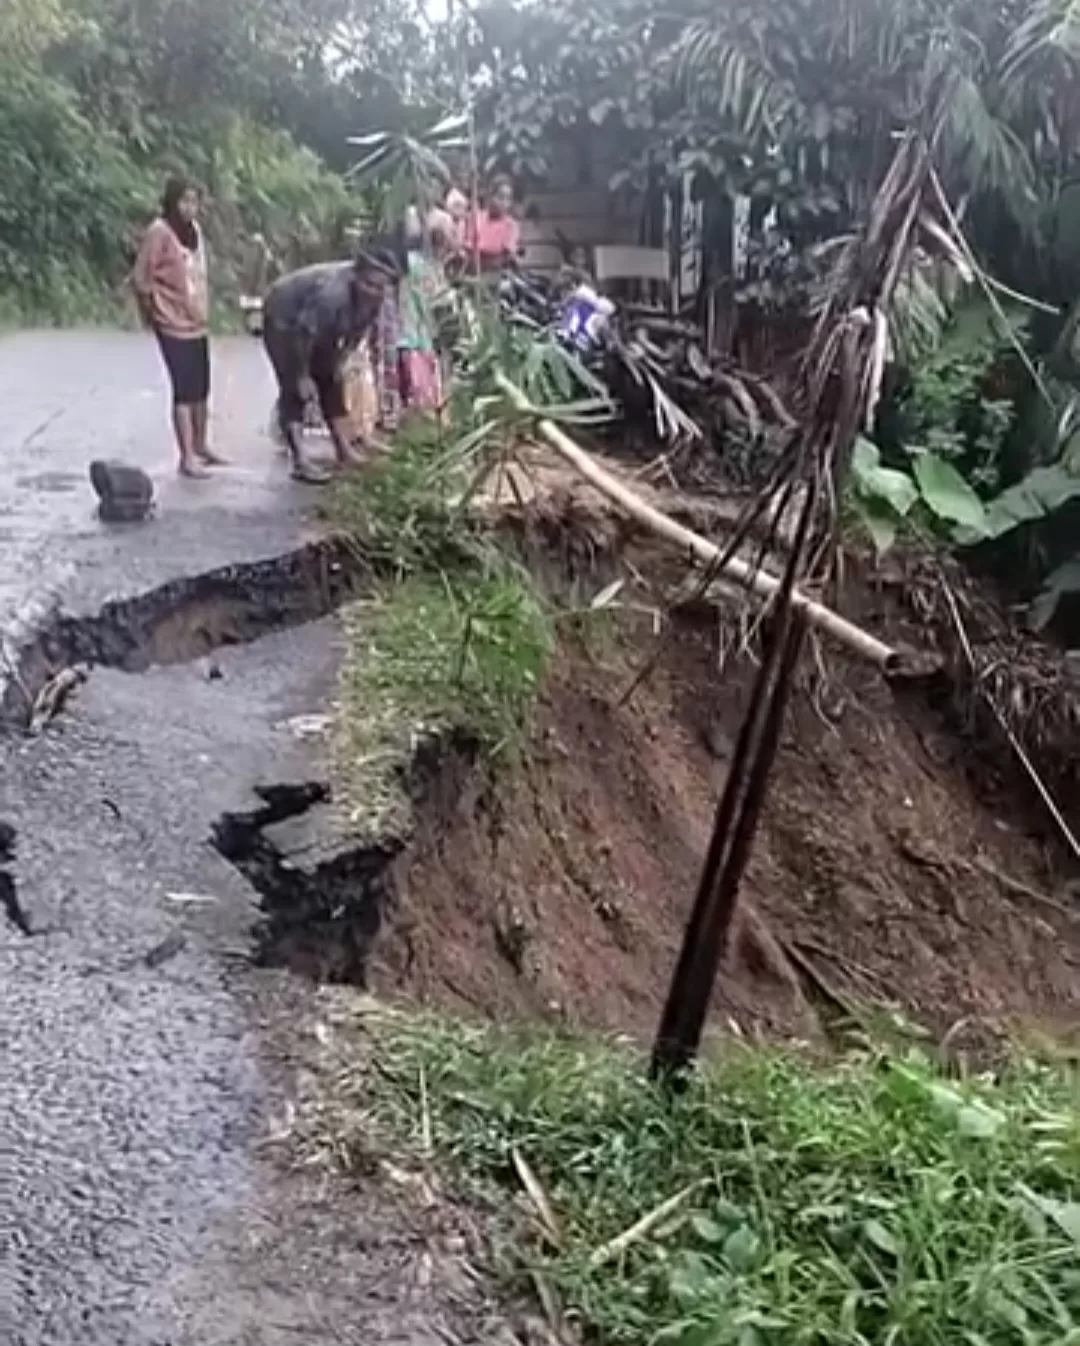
[760, 581]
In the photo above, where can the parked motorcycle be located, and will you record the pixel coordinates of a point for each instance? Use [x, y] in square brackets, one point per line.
[640, 356]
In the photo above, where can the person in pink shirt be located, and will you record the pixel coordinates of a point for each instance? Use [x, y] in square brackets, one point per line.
[493, 232]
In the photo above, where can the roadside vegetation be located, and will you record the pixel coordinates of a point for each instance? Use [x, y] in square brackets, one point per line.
[101, 99]
[455, 636]
[457, 633]
[797, 106]
[778, 1200]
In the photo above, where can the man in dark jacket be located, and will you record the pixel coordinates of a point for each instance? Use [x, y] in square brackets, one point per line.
[312, 319]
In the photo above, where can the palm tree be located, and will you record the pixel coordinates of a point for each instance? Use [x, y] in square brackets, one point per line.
[823, 88]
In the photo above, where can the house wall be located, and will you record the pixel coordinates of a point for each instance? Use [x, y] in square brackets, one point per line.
[574, 200]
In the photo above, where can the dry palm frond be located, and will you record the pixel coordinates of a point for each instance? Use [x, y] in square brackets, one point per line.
[920, 310]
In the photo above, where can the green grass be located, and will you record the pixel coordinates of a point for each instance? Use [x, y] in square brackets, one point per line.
[435, 653]
[455, 637]
[871, 1202]
[402, 507]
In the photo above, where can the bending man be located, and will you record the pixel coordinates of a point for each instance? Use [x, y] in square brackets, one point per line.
[312, 319]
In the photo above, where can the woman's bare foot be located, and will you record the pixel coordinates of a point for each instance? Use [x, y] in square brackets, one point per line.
[191, 467]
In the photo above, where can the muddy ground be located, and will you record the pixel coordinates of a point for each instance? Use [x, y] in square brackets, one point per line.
[892, 868]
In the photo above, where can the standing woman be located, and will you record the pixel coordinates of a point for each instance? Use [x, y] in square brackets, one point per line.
[172, 288]
[493, 234]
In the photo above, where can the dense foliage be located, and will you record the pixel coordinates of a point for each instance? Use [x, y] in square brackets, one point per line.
[100, 99]
[795, 102]
[799, 105]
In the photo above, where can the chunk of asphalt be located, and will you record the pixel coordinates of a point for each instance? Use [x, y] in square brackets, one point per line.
[168, 948]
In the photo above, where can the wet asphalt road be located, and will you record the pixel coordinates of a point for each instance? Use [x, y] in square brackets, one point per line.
[68, 398]
[140, 1060]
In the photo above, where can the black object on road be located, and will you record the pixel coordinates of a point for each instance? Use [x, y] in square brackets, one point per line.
[125, 494]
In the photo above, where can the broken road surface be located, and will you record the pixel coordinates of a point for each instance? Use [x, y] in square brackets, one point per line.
[143, 1059]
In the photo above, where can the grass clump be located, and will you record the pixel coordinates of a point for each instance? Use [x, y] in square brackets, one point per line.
[442, 652]
[869, 1201]
[455, 635]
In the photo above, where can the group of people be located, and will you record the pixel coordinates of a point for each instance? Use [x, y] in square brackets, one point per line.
[313, 318]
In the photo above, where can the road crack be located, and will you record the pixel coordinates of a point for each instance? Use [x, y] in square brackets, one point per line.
[9, 896]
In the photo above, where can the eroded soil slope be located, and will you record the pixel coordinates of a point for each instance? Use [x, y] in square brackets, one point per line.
[885, 871]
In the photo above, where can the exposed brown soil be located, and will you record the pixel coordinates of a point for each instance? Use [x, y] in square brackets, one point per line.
[883, 872]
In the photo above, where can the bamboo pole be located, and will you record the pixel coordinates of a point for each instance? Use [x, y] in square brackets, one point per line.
[761, 581]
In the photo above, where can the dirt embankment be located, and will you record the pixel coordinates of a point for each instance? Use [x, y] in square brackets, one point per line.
[887, 869]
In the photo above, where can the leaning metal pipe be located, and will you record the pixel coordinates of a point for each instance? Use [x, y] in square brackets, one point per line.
[766, 585]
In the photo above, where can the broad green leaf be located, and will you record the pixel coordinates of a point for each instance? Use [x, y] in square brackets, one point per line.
[741, 1248]
[879, 520]
[947, 495]
[1043, 491]
[892, 486]
[708, 1231]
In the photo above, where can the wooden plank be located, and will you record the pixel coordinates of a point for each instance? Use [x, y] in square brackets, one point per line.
[586, 231]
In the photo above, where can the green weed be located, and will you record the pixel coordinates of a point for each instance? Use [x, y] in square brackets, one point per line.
[457, 638]
[870, 1201]
[436, 653]
[406, 507]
